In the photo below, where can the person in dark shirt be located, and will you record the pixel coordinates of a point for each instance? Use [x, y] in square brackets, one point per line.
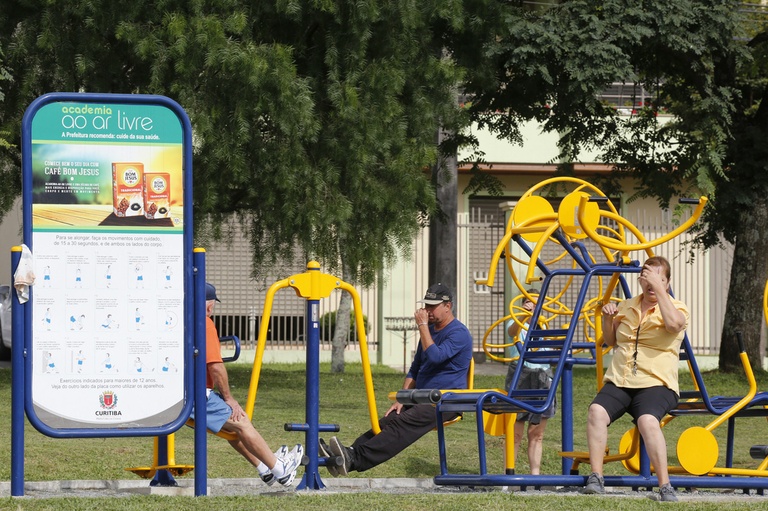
[441, 362]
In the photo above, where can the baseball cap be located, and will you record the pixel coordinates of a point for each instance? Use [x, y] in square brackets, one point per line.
[437, 293]
[210, 292]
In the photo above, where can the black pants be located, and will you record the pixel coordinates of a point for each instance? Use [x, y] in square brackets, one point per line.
[398, 431]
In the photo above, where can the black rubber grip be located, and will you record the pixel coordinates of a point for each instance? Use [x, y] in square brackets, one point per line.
[418, 396]
[758, 452]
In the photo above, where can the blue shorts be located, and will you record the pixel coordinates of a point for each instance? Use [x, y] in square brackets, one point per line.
[217, 412]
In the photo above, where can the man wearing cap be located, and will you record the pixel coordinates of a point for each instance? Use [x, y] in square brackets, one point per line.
[223, 412]
[441, 362]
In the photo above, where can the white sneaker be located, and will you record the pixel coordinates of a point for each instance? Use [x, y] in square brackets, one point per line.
[291, 463]
[282, 452]
[269, 478]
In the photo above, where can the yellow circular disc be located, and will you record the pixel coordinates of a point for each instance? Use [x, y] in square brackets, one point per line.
[567, 215]
[697, 450]
[632, 464]
[530, 208]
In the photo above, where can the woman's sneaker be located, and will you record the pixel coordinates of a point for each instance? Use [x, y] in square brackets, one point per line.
[595, 484]
[667, 493]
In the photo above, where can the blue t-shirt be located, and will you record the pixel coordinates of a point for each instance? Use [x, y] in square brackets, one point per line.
[443, 365]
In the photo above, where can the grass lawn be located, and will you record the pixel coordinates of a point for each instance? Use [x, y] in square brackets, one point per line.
[342, 401]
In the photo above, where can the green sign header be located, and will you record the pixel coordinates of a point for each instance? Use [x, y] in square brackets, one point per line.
[89, 122]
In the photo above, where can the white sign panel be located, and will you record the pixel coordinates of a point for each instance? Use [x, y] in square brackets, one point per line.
[108, 243]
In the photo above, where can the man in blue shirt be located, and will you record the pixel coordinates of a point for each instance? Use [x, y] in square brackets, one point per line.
[441, 362]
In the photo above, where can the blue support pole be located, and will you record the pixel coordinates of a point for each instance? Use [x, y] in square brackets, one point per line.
[163, 477]
[730, 442]
[311, 479]
[566, 412]
[17, 385]
[198, 385]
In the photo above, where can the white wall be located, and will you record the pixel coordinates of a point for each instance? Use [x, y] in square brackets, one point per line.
[10, 236]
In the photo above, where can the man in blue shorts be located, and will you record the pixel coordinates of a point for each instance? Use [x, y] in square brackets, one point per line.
[441, 362]
[224, 413]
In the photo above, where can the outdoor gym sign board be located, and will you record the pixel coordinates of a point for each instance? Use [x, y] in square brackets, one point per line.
[107, 215]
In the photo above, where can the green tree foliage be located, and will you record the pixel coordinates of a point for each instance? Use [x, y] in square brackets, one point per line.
[551, 65]
[313, 120]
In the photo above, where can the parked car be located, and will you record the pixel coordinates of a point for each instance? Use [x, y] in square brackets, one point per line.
[5, 322]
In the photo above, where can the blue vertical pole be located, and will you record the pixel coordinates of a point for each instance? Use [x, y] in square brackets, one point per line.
[17, 384]
[311, 479]
[566, 433]
[201, 440]
[162, 477]
[730, 437]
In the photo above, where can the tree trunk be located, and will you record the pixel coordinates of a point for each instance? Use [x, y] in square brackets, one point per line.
[744, 309]
[442, 227]
[341, 332]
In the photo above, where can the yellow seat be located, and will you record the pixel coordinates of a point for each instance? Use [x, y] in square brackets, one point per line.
[226, 435]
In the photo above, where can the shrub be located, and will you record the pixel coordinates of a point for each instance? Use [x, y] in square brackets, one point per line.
[328, 325]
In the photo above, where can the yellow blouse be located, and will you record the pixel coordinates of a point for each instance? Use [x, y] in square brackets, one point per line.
[658, 351]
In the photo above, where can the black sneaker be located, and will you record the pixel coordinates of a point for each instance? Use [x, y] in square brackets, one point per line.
[325, 452]
[595, 484]
[338, 449]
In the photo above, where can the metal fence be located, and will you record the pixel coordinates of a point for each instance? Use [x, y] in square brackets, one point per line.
[240, 313]
[701, 282]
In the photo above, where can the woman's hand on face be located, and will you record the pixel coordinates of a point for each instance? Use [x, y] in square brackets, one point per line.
[650, 277]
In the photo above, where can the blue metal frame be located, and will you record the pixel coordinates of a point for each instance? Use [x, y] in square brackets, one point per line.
[533, 401]
[18, 353]
[537, 401]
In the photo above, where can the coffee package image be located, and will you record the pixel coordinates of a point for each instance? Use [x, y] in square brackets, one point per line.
[157, 195]
[127, 196]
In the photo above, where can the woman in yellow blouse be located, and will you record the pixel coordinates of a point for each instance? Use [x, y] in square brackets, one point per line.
[646, 332]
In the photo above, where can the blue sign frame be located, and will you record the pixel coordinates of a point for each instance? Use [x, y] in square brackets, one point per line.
[25, 344]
